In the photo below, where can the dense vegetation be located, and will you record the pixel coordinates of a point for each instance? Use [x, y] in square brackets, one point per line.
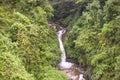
[28, 48]
[94, 37]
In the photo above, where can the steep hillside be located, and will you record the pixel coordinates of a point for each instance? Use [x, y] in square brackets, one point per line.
[93, 35]
[28, 47]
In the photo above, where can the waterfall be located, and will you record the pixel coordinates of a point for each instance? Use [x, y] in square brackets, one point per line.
[63, 64]
[63, 56]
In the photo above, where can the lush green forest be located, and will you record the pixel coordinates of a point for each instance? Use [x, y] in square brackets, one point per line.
[29, 48]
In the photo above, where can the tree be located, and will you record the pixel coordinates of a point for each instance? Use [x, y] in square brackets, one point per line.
[96, 39]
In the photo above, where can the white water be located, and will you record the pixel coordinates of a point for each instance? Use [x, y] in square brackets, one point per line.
[81, 77]
[64, 64]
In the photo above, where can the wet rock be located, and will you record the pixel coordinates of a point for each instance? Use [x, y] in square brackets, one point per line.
[73, 73]
[55, 27]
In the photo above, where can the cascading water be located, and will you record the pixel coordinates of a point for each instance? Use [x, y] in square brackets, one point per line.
[60, 33]
[63, 64]
[67, 67]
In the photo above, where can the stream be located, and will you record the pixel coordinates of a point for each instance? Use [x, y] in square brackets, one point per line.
[69, 69]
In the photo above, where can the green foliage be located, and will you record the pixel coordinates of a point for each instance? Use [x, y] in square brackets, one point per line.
[94, 39]
[21, 18]
[81, 1]
[40, 15]
[97, 58]
[53, 74]
[29, 47]
[67, 11]
[11, 67]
